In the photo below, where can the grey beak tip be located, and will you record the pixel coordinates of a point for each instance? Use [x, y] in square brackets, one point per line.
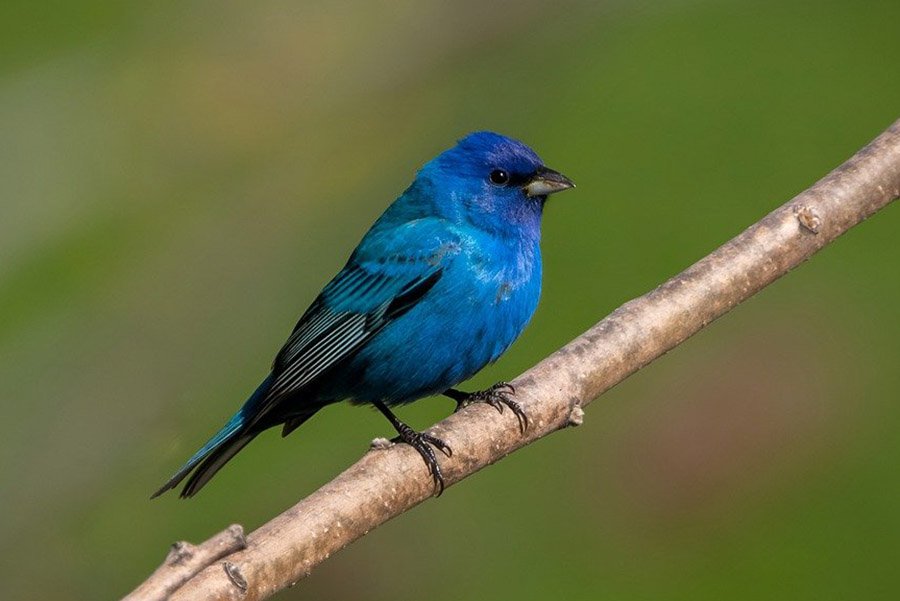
[547, 181]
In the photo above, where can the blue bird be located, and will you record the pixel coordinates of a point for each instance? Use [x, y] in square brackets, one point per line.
[440, 286]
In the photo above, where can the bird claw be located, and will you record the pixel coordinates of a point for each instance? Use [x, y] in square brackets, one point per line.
[497, 396]
[423, 442]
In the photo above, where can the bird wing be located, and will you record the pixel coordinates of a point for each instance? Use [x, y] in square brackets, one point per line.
[387, 276]
[326, 335]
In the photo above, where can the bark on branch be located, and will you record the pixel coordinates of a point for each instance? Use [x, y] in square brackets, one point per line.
[184, 561]
[391, 479]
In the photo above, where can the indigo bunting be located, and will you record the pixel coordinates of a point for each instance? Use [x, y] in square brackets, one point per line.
[440, 286]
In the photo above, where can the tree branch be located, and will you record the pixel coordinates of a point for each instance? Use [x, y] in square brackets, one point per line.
[184, 561]
[390, 479]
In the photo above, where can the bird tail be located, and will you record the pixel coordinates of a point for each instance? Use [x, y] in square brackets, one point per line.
[221, 455]
[233, 437]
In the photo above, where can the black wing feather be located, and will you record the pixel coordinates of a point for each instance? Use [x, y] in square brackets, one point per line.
[325, 336]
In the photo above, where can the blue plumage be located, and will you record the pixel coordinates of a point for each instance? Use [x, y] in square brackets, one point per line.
[444, 281]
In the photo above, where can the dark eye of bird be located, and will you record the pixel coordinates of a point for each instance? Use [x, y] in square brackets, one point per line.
[499, 177]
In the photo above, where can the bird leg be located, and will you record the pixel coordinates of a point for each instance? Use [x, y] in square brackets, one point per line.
[497, 396]
[422, 443]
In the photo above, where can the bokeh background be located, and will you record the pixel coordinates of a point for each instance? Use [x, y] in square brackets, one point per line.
[178, 180]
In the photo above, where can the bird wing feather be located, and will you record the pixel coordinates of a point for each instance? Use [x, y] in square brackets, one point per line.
[380, 283]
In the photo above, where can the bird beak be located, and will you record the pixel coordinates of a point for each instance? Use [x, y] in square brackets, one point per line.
[547, 181]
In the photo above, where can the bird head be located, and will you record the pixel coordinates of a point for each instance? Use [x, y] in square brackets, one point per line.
[492, 182]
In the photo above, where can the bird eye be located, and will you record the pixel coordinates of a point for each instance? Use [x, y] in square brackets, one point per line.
[499, 177]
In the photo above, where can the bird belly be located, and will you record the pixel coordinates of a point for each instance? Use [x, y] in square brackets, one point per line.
[442, 341]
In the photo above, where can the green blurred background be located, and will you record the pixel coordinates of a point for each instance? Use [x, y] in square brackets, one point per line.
[178, 180]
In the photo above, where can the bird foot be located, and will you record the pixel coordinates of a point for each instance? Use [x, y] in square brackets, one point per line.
[423, 443]
[497, 396]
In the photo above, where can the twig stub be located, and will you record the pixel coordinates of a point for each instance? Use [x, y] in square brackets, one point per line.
[809, 219]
